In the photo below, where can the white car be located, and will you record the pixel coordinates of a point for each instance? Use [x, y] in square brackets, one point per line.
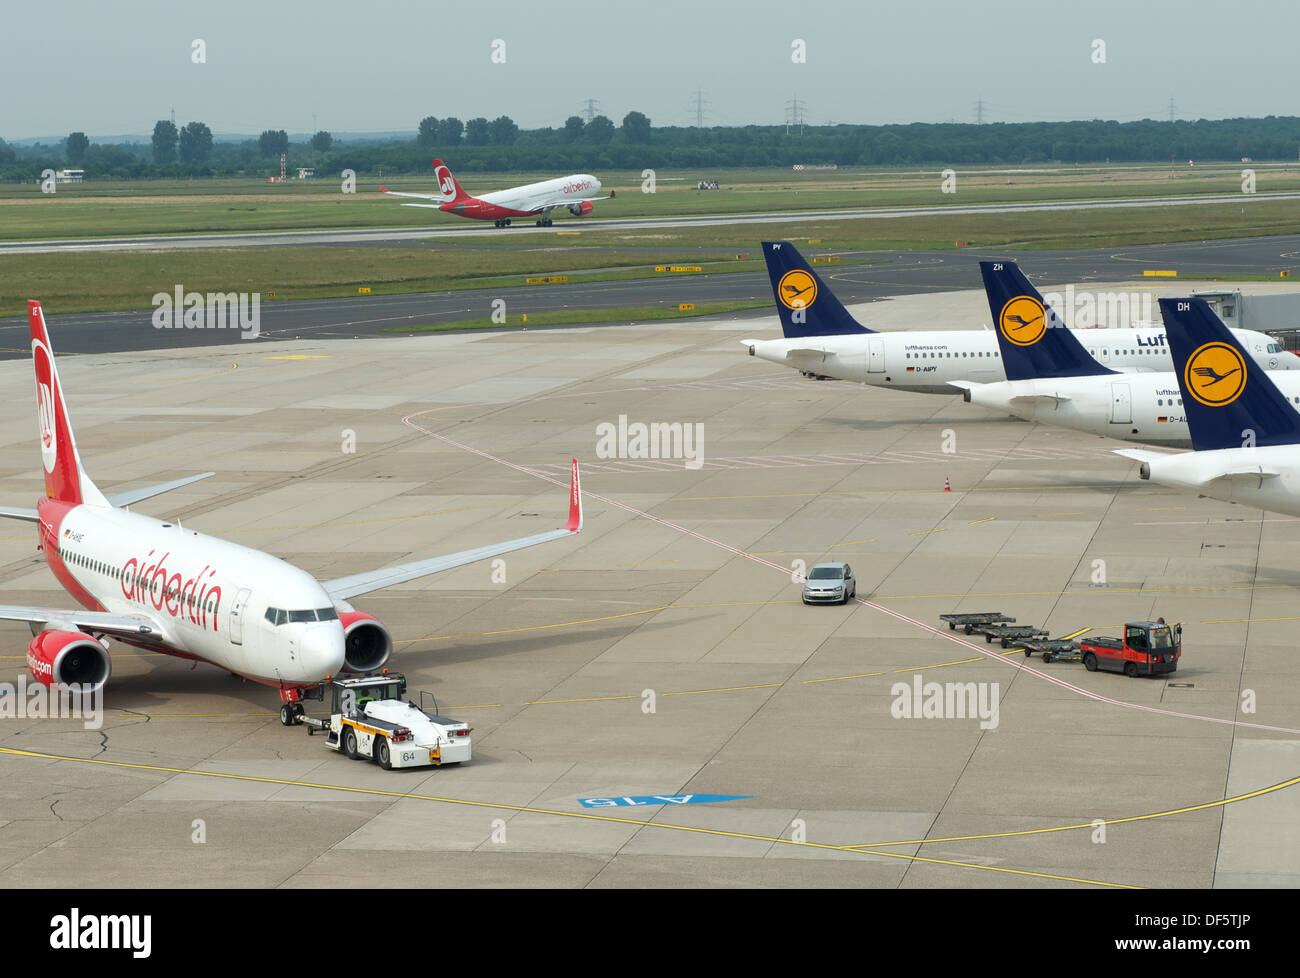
[829, 583]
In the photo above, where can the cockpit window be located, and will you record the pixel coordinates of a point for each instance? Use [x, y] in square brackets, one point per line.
[298, 616]
[281, 616]
[327, 614]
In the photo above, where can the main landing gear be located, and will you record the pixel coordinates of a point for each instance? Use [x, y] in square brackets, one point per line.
[545, 222]
[501, 222]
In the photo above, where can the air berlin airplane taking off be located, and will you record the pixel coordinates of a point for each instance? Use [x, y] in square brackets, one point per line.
[162, 588]
[576, 192]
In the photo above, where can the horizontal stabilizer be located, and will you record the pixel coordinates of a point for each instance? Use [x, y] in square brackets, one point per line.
[131, 496]
[17, 513]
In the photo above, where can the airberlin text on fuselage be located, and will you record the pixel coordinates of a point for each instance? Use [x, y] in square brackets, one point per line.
[152, 584]
[570, 188]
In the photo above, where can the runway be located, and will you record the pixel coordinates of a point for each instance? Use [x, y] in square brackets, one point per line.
[664, 651]
[172, 242]
[900, 273]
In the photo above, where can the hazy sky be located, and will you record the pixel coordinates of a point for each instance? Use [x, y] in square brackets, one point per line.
[111, 68]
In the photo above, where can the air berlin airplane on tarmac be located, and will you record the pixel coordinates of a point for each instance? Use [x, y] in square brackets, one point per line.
[162, 588]
[576, 192]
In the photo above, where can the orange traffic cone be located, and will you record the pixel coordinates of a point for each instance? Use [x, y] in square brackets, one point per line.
[947, 486]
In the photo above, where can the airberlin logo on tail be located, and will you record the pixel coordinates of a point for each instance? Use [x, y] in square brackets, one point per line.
[1023, 321]
[797, 289]
[46, 414]
[1215, 374]
[446, 185]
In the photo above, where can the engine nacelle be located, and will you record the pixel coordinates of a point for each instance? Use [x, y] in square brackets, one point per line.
[69, 658]
[583, 209]
[366, 642]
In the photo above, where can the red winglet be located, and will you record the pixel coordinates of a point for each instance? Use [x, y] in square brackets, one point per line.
[382, 190]
[575, 502]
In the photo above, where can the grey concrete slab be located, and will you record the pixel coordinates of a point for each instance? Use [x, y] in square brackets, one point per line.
[680, 586]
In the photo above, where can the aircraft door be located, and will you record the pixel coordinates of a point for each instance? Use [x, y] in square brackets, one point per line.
[1121, 405]
[237, 616]
[876, 355]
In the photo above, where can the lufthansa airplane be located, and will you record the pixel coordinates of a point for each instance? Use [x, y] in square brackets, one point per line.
[822, 338]
[1052, 377]
[577, 192]
[1245, 430]
[160, 587]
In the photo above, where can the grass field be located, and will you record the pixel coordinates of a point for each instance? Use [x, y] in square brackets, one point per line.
[83, 282]
[101, 281]
[132, 208]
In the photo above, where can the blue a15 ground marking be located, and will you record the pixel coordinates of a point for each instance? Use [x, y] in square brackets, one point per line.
[632, 801]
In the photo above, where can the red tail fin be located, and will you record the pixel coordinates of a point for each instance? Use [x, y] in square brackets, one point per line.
[448, 185]
[64, 479]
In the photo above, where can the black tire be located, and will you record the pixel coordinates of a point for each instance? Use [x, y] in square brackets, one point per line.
[383, 756]
[988, 639]
[1006, 644]
[1047, 656]
[286, 714]
[507, 222]
[539, 223]
[1130, 669]
[350, 743]
[1090, 662]
[952, 626]
[1028, 653]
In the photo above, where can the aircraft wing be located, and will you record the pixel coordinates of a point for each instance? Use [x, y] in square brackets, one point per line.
[82, 621]
[1040, 398]
[18, 513]
[397, 193]
[1245, 474]
[342, 588]
[967, 385]
[129, 496]
[1235, 473]
[551, 205]
[1141, 454]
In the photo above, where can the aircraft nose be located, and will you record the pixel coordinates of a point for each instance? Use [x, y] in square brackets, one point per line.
[320, 653]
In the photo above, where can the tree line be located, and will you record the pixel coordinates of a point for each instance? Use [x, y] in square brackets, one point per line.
[480, 144]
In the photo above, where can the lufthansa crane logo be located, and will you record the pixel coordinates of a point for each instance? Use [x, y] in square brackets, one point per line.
[797, 289]
[1215, 374]
[1023, 321]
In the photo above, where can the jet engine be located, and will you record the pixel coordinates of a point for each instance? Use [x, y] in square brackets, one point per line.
[583, 209]
[366, 642]
[68, 658]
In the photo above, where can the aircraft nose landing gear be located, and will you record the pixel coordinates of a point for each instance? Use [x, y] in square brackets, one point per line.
[291, 710]
[291, 714]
